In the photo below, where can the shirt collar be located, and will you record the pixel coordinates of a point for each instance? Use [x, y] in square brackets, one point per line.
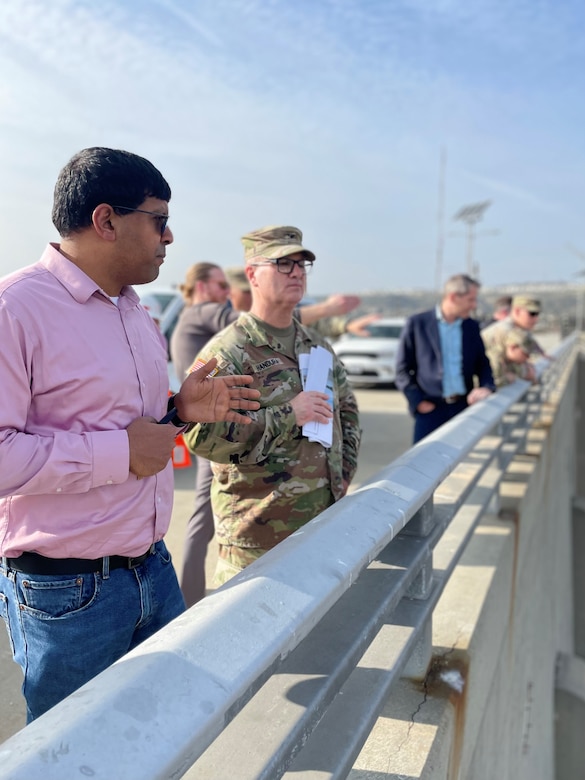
[441, 318]
[77, 283]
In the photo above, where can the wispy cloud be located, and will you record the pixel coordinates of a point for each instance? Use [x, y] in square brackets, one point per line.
[514, 192]
[191, 20]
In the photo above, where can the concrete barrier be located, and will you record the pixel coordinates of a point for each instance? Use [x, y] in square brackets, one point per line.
[488, 708]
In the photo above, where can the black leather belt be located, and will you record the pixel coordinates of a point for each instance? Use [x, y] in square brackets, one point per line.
[33, 563]
[453, 399]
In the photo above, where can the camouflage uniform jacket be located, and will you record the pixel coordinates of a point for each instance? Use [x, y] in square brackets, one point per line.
[494, 336]
[269, 479]
[501, 367]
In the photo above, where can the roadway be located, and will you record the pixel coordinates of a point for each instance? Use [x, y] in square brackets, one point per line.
[387, 432]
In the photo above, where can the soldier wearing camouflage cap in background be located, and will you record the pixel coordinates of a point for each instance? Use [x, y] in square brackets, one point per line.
[509, 357]
[269, 479]
[524, 314]
[240, 290]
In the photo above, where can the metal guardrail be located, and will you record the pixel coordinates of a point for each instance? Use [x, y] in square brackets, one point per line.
[301, 648]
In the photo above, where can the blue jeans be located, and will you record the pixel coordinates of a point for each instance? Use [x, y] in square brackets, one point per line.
[66, 629]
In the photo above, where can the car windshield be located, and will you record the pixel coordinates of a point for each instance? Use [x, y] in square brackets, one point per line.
[384, 331]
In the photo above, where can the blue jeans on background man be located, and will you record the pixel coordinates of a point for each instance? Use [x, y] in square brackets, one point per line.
[66, 629]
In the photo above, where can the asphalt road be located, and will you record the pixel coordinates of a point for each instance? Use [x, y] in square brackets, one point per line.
[387, 432]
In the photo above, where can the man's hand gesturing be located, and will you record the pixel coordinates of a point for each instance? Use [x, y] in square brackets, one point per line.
[215, 399]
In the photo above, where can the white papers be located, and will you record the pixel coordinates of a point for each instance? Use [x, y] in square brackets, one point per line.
[316, 369]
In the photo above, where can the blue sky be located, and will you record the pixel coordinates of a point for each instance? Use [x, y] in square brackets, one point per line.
[329, 115]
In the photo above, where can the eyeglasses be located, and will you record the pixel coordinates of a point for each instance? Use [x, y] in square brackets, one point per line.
[285, 265]
[162, 219]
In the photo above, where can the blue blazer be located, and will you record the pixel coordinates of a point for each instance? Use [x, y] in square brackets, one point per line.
[419, 363]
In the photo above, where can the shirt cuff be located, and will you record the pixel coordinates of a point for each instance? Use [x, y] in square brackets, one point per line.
[111, 457]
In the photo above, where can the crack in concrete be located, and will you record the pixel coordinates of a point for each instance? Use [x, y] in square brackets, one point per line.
[433, 681]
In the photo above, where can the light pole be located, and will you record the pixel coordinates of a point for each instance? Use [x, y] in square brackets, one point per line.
[579, 309]
[471, 215]
[440, 221]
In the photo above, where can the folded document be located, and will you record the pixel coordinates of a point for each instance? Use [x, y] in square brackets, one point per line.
[316, 369]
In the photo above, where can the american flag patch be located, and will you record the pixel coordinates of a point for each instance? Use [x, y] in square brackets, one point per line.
[221, 363]
[197, 364]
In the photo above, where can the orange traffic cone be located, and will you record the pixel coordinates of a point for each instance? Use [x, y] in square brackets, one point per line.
[181, 455]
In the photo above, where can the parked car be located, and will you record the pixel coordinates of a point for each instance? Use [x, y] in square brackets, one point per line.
[171, 305]
[371, 360]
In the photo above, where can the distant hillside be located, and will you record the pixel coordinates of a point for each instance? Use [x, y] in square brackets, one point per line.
[558, 300]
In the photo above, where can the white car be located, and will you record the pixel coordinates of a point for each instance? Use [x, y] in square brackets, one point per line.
[164, 305]
[371, 360]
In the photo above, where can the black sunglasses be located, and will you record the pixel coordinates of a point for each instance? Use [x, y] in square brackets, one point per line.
[162, 219]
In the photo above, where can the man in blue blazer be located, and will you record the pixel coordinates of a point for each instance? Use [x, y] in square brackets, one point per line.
[440, 353]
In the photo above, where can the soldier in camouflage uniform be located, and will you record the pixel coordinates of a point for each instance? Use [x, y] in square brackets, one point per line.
[269, 479]
[523, 315]
[206, 312]
[509, 358]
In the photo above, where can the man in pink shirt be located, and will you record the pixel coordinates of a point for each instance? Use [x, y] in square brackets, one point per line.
[86, 484]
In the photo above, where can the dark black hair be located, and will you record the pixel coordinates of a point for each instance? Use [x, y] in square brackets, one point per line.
[100, 175]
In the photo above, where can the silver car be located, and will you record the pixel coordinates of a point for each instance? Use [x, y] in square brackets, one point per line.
[371, 360]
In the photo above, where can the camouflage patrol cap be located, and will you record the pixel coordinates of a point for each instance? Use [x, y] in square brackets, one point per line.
[518, 338]
[237, 278]
[525, 302]
[273, 242]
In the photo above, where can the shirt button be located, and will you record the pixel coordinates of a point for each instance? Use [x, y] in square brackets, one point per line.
[59, 490]
[110, 482]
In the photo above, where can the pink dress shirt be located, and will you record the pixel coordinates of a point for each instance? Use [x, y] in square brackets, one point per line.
[75, 371]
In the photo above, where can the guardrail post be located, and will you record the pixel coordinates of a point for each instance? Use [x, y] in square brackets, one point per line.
[418, 664]
[495, 504]
[421, 524]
